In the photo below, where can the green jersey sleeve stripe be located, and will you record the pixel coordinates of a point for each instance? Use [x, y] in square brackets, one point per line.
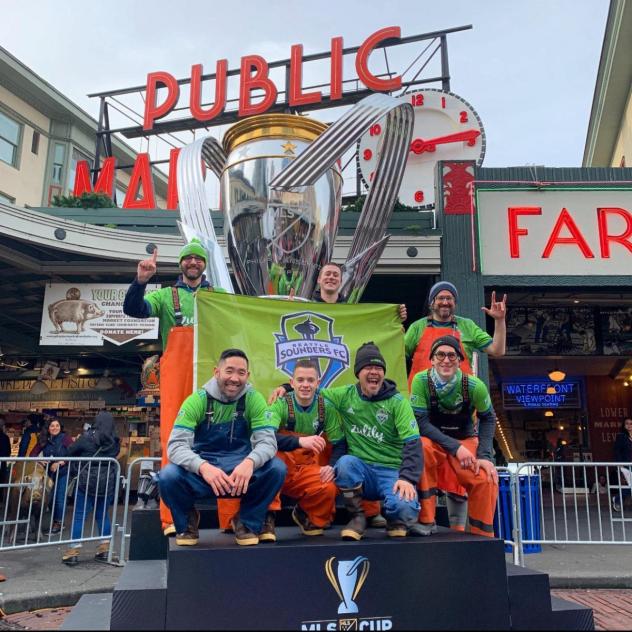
[191, 429]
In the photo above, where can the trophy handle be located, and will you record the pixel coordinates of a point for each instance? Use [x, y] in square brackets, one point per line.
[322, 154]
[329, 571]
[194, 209]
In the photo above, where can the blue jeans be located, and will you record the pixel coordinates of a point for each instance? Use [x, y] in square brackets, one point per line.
[179, 489]
[58, 494]
[84, 504]
[377, 484]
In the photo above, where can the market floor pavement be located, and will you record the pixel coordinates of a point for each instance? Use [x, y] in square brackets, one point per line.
[612, 610]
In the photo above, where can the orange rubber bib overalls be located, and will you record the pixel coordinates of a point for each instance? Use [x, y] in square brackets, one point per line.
[176, 384]
[446, 478]
[482, 493]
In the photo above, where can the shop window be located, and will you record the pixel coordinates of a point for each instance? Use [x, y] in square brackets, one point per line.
[35, 142]
[10, 133]
[59, 153]
[76, 157]
[6, 198]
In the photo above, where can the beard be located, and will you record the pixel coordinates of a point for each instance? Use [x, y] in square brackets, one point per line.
[193, 274]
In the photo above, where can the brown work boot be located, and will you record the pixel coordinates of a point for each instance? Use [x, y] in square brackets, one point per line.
[101, 554]
[191, 535]
[56, 527]
[267, 531]
[169, 530]
[243, 535]
[354, 530]
[376, 522]
[303, 522]
[71, 556]
[396, 529]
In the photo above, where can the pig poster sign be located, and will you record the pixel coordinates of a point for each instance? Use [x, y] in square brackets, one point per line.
[85, 314]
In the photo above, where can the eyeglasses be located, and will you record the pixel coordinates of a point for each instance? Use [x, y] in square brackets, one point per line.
[442, 355]
[193, 258]
[444, 299]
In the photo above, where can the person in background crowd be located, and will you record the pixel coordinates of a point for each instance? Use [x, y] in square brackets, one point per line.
[600, 486]
[421, 335]
[446, 401]
[5, 452]
[96, 482]
[34, 425]
[623, 454]
[173, 306]
[57, 444]
[222, 444]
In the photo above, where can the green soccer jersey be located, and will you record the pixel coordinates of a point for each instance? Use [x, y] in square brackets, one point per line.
[161, 305]
[375, 430]
[306, 418]
[480, 400]
[193, 409]
[473, 338]
[440, 428]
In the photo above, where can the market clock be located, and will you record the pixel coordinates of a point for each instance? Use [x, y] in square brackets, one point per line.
[446, 128]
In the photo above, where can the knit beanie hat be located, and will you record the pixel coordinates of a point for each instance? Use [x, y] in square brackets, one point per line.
[450, 341]
[438, 287]
[368, 354]
[194, 247]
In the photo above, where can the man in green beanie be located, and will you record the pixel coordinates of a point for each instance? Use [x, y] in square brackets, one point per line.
[172, 305]
[174, 308]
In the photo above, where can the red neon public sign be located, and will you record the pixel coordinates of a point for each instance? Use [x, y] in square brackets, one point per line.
[254, 75]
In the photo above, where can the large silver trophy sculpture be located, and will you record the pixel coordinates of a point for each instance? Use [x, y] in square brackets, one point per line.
[281, 192]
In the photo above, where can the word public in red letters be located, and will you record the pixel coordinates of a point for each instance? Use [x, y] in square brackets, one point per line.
[254, 75]
[162, 93]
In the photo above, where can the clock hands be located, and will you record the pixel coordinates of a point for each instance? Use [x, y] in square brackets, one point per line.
[419, 145]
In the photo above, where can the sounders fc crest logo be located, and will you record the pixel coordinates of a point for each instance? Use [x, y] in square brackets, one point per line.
[310, 335]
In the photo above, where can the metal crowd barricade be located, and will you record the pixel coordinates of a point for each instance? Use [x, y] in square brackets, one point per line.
[35, 490]
[506, 525]
[128, 488]
[564, 507]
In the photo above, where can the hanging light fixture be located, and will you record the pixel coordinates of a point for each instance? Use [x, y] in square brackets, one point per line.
[556, 375]
[548, 413]
[550, 390]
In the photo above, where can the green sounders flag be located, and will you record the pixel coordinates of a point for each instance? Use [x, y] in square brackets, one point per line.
[276, 333]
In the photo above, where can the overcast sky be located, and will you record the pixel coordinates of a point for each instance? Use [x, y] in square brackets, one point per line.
[528, 67]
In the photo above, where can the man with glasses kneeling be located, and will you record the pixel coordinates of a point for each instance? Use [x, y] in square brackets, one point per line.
[446, 401]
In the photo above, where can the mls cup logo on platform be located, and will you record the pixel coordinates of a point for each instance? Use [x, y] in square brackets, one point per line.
[348, 581]
[310, 335]
[347, 578]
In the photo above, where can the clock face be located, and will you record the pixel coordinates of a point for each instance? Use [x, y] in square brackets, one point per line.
[446, 128]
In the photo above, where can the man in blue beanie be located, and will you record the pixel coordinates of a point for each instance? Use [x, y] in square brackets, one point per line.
[442, 320]
[419, 340]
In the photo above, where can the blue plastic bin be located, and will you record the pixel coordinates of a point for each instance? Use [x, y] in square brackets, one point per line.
[529, 510]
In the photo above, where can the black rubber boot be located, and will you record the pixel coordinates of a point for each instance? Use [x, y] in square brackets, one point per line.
[354, 530]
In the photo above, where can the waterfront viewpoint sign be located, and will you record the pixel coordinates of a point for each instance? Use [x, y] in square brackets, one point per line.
[555, 232]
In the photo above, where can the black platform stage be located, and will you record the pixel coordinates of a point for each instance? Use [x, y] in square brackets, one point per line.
[449, 581]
